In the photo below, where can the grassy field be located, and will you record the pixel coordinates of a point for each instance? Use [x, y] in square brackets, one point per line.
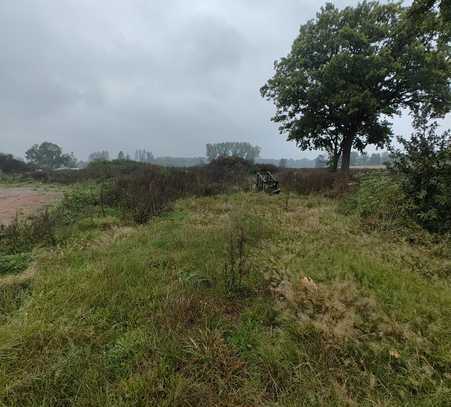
[235, 300]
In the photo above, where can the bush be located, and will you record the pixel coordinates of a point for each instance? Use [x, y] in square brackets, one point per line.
[10, 165]
[230, 170]
[150, 190]
[424, 168]
[307, 181]
[379, 200]
[14, 263]
[22, 235]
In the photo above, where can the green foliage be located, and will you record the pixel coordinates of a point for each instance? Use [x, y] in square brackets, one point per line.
[46, 228]
[14, 263]
[379, 201]
[81, 199]
[244, 232]
[244, 151]
[10, 165]
[430, 18]
[350, 69]
[49, 156]
[140, 317]
[12, 297]
[424, 167]
[24, 234]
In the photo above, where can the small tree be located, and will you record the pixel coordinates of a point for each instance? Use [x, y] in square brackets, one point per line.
[425, 171]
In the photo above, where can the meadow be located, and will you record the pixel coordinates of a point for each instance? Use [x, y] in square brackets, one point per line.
[215, 295]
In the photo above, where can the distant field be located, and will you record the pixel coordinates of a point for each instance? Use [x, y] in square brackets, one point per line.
[23, 201]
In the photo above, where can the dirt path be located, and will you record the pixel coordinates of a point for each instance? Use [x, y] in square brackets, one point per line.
[23, 201]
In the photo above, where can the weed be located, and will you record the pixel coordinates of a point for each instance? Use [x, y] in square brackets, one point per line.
[236, 265]
[14, 263]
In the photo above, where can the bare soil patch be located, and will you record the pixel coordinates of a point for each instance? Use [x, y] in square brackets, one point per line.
[23, 201]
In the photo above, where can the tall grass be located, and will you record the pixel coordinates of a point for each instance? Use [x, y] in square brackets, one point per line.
[329, 315]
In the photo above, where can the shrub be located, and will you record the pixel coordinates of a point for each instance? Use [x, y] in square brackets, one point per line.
[22, 235]
[244, 231]
[10, 165]
[318, 180]
[230, 170]
[148, 192]
[424, 168]
[379, 200]
[14, 263]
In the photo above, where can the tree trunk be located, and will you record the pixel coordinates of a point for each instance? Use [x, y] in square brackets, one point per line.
[346, 154]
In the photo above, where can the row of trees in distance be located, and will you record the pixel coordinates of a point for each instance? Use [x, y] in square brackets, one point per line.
[51, 156]
[246, 151]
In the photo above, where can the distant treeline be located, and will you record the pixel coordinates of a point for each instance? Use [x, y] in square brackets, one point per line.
[49, 156]
[321, 161]
[287, 163]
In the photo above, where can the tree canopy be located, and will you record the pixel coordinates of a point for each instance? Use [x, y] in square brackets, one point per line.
[351, 70]
[245, 151]
[50, 156]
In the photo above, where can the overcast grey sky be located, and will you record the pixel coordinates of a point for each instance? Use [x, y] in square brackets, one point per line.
[165, 75]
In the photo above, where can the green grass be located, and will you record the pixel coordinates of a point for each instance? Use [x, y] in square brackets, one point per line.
[326, 314]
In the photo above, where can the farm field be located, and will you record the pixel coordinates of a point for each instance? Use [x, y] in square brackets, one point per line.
[244, 299]
[23, 201]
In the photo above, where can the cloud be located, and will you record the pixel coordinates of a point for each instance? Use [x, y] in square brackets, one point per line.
[169, 76]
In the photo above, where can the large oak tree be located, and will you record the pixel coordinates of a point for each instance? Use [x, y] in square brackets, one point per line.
[349, 71]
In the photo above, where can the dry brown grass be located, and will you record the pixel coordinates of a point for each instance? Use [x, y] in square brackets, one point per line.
[337, 310]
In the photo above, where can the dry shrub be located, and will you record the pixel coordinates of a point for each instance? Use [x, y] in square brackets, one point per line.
[151, 190]
[318, 180]
[338, 311]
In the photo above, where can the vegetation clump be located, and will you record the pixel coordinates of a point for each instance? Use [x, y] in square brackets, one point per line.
[424, 171]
